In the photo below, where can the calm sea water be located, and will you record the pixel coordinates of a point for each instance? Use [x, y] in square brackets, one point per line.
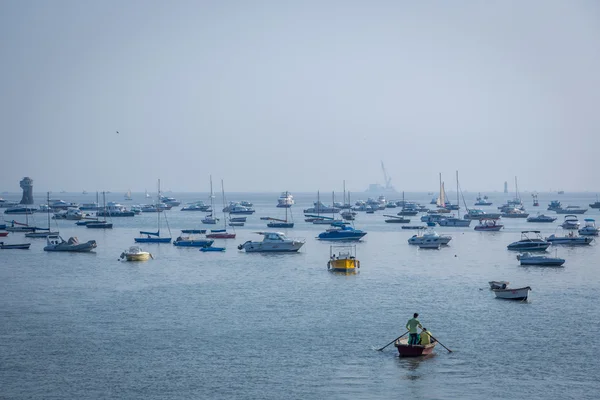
[245, 326]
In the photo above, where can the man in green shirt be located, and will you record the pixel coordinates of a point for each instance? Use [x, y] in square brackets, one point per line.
[411, 325]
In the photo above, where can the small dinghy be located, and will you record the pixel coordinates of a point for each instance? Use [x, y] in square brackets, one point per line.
[210, 248]
[22, 246]
[417, 350]
[512, 294]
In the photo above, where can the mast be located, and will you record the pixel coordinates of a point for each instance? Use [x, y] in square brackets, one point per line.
[333, 204]
[318, 203]
[103, 204]
[286, 208]
[48, 200]
[157, 205]
[457, 197]
[517, 190]
[344, 193]
[224, 216]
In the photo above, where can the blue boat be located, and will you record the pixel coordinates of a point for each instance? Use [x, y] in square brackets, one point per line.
[196, 231]
[152, 237]
[210, 248]
[190, 241]
[343, 233]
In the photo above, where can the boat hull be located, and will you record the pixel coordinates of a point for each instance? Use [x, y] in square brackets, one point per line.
[137, 257]
[280, 224]
[152, 240]
[512, 294]
[22, 246]
[193, 243]
[406, 350]
[344, 264]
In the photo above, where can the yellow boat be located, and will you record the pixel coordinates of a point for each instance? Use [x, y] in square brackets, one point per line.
[343, 259]
[135, 253]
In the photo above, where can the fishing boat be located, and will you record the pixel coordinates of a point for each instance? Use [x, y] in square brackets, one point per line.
[393, 219]
[570, 222]
[455, 221]
[413, 350]
[596, 204]
[570, 239]
[286, 200]
[57, 243]
[345, 259]
[541, 218]
[429, 237]
[104, 224]
[512, 293]
[342, 233]
[44, 232]
[210, 219]
[135, 253]
[590, 228]
[273, 242]
[154, 237]
[489, 225]
[482, 201]
[281, 223]
[19, 246]
[530, 259]
[498, 284]
[554, 205]
[192, 241]
[527, 243]
[536, 203]
[221, 233]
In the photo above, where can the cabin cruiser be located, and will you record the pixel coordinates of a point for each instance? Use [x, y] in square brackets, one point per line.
[478, 214]
[530, 259]
[273, 242]
[590, 228]
[197, 206]
[7, 204]
[61, 204]
[570, 222]
[515, 213]
[57, 243]
[527, 243]
[237, 208]
[453, 221]
[320, 208]
[170, 201]
[71, 214]
[570, 239]
[342, 233]
[114, 209]
[286, 200]
[429, 236]
[19, 210]
[89, 207]
[596, 204]
[571, 210]
[541, 218]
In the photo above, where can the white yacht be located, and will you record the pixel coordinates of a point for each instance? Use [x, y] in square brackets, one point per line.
[429, 237]
[286, 200]
[272, 242]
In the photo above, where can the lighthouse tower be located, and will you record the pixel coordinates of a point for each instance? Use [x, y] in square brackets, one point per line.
[27, 186]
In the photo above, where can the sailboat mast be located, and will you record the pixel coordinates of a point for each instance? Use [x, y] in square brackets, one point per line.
[223, 194]
[517, 190]
[344, 193]
[103, 204]
[48, 200]
[157, 206]
[457, 197]
[333, 204]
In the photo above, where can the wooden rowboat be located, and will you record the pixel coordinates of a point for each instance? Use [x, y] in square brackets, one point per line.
[512, 294]
[406, 350]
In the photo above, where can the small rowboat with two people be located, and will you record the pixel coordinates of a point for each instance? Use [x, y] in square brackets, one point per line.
[416, 350]
[344, 261]
[512, 293]
[489, 225]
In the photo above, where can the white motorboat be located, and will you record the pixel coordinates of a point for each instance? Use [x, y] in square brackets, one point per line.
[71, 214]
[530, 259]
[541, 218]
[429, 236]
[570, 222]
[170, 201]
[530, 244]
[478, 214]
[590, 228]
[570, 239]
[515, 213]
[57, 243]
[571, 210]
[513, 294]
[197, 206]
[320, 208]
[272, 242]
[135, 253]
[286, 200]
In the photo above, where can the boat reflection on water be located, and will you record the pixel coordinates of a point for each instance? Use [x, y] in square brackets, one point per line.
[412, 364]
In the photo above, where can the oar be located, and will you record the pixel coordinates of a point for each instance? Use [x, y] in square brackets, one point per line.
[449, 351]
[394, 341]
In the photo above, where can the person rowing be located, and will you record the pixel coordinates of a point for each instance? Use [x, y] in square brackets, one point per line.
[412, 325]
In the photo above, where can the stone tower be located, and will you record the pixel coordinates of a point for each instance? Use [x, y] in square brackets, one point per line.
[27, 186]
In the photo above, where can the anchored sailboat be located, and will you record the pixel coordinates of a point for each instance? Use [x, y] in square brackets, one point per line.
[281, 223]
[154, 237]
[221, 233]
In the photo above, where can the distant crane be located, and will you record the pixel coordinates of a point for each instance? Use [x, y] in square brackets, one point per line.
[386, 178]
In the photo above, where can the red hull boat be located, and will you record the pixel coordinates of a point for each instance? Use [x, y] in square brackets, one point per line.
[406, 350]
[3, 234]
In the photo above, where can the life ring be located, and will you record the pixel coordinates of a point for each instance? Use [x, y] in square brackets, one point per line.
[504, 286]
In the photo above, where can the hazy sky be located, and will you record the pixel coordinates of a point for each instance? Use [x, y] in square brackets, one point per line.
[281, 95]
